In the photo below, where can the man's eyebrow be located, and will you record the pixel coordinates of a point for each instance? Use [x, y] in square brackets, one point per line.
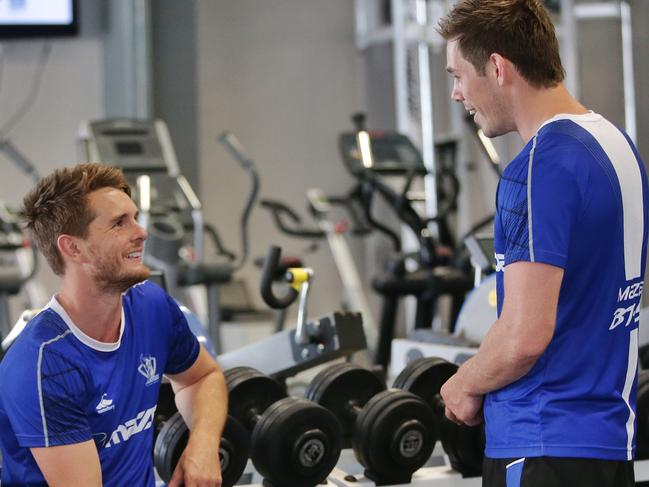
[119, 217]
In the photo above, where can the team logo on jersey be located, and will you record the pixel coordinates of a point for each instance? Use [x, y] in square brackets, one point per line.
[500, 262]
[141, 422]
[105, 404]
[147, 368]
[629, 299]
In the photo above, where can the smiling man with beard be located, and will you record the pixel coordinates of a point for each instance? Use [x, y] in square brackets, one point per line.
[79, 387]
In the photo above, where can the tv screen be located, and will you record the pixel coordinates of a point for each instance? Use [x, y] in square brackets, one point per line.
[38, 18]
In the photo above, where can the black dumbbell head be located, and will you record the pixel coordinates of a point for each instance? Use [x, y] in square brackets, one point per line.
[340, 386]
[172, 440]
[250, 392]
[394, 435]
[463, 445]
[424, 377]
[296, 443]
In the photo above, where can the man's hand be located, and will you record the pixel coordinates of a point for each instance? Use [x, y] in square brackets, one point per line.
[461, 408]
[197, 468]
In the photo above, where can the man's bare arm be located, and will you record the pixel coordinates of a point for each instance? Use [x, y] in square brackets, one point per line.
[514, 342]
[201, 398]
[75, 465]
[523, 331]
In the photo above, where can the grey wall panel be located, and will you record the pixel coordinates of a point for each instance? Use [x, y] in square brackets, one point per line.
[600, 68]
[175, 97]
[282, 75]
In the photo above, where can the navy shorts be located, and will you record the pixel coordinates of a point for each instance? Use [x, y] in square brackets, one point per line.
[556, 472]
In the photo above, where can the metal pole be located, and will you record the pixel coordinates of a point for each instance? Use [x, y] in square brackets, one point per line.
[568, 41]
[630, 120]
[427, 116]
[400, 66]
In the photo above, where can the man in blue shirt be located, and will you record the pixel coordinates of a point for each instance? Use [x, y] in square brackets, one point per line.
[555, 377]
[79, 387]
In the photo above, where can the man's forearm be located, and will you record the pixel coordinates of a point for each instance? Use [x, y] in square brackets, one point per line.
[514, 342]
[204, 406]
[501, 359]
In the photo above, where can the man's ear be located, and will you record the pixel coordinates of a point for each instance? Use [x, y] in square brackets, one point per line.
[500, 68]
[68, 247]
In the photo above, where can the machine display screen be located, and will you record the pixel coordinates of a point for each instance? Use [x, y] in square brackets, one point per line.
[129, 148]
[481, 248]
[392, 153]
[30, 18]
[487, 246]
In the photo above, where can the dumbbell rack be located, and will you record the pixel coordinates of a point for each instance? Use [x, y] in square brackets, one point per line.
[443, 476]
[437, 476]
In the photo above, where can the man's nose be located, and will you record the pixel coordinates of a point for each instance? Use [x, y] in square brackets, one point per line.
[141, 232]
[456, 94]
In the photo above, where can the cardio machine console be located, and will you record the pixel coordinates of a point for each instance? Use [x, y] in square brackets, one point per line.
[392, 154]
[135, 146]
[481, 249]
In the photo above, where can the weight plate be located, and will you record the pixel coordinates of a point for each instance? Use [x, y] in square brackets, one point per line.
[322, 379]
[165, 409]
[295, 443]
[464, 445]
[169, 445]
[394, 436]
[250, 393]
[172, 440]
[233, 451]
[342, 387]
[425, 377]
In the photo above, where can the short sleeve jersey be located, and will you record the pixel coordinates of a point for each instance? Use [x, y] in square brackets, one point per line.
[575, 198]
[58, 386]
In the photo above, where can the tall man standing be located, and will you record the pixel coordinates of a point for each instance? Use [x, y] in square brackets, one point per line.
[556, 374]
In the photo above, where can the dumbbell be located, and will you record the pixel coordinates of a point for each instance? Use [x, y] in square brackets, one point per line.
[172, 440]
[464, 445]
[392, 432]
[294, 442]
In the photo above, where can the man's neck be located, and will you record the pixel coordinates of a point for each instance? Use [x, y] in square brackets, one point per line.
[535, 107]
[96, 312]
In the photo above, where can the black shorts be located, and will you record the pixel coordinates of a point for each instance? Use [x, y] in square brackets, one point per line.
[556, 472]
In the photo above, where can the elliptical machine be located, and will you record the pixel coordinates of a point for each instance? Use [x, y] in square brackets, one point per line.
[369, 157]
[18, 265]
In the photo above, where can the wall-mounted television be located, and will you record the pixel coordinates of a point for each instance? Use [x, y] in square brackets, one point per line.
[38, 18]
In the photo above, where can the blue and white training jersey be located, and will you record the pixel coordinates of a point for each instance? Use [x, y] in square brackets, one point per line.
[576, 197]
[58, 386]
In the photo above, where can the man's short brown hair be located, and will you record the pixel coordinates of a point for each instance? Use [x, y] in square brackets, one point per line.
[519, 30]
[58, 204]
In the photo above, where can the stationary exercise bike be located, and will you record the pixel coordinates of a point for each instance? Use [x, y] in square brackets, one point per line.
[372, 158]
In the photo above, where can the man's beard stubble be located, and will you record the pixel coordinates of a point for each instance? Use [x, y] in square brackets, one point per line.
[109, 278]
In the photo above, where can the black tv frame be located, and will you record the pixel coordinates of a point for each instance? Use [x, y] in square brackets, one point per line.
[18, 31]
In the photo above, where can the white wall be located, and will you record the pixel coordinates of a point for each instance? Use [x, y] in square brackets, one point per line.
[71, 90]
